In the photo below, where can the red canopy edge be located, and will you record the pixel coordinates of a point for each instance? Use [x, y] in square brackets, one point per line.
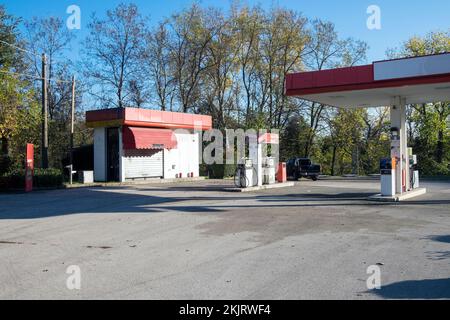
[395, 73]
[147, 118]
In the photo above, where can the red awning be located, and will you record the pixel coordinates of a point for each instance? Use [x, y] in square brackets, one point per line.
[148, 138]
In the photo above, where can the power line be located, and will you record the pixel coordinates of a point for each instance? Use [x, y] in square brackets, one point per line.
[21, 74]
[54, 60]
[34, 77]
[18, 48]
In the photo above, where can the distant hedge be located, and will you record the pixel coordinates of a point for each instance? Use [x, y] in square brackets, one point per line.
[218, 171]
[5, 164]
[43, 178]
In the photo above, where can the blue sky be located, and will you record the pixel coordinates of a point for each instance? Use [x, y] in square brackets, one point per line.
[401, 19]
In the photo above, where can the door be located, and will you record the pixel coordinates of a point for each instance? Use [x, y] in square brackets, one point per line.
[141, 164]
[112, 154]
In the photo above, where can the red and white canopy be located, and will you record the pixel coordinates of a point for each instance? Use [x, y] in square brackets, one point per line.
[421, 79]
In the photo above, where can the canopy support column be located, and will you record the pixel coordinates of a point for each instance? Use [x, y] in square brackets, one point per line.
[399, 145]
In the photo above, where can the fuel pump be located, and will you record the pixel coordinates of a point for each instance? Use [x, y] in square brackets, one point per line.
[245, 175]
[257, 170]
[414, 172]
[269, 171]
[387, 171]
[398, 153]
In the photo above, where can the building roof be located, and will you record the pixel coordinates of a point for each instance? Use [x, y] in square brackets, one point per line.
[147, 119]
[419, 80]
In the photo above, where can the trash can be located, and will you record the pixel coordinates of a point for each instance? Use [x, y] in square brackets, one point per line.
[282, 173]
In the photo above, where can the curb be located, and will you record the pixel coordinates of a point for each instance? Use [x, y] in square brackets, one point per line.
[399, 198]
[133, 183]
[264, 187]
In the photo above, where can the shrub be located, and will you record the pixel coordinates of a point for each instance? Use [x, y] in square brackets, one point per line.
[48, 178]
[218, 171]
[5, 164]
[43, 178]
[429, 167]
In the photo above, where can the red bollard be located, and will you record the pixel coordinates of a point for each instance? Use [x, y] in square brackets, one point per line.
[29, 168]
[282, 173]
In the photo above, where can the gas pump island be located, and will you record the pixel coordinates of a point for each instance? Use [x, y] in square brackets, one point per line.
[258, 169]
[398, 173]
[394, 83]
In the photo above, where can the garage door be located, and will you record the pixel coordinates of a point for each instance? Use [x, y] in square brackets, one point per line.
[144, 164]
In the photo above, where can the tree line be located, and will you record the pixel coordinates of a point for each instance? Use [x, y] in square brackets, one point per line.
[230, 65]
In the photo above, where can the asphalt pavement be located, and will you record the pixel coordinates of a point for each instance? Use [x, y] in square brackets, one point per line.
[198, 241]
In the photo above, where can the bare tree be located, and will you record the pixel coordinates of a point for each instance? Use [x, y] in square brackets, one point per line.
[157, 59]
[283, 46]
[327, 50]
[249, 22]
[193, 32]
[50, 36]
[138, 93]
[112, 51]
[221, 83]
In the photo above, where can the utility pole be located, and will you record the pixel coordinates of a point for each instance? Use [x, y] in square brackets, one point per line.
[72, 128]
[44, 137]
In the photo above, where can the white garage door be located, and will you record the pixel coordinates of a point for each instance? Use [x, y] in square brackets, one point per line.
[144, 164]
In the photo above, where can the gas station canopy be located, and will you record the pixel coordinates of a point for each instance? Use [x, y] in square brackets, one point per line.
[421, 79]
[395, 83]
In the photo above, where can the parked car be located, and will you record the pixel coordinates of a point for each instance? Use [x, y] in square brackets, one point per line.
[302, 168]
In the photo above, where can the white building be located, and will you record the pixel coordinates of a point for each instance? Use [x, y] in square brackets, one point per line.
[136, 144]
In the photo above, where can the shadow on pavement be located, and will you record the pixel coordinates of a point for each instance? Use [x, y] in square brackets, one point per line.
[318, 196]
[67, 202]
[416, 289]
[443, 238]
[131, 201]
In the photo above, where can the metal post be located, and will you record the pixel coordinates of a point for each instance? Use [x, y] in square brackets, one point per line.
[399, 148]
[44, 137]
[72, 129]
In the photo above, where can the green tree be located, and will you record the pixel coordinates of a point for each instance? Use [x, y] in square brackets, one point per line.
[18, 112]
[293, 138]
[346, 132]
[193, 31]
[19, 118]
[428, 124]
[9, 33]
[327, 50]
